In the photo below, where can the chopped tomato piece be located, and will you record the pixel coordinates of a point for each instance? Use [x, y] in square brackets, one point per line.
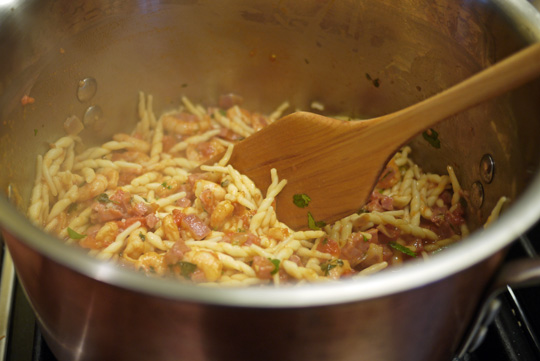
[390, 175]
[263, 267]
[25, 100]
[330, 246]
[195, 226]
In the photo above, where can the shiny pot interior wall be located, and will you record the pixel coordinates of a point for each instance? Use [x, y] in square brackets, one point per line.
[360, 58]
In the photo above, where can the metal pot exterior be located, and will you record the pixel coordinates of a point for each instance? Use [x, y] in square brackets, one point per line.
[268, 51]
[83, 319]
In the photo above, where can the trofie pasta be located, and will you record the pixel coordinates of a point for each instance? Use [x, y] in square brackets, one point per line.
[135, 200]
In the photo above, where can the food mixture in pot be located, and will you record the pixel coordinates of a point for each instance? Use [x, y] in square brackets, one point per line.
[136, 201]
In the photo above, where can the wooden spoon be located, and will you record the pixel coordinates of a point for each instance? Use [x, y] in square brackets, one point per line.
[337, 163]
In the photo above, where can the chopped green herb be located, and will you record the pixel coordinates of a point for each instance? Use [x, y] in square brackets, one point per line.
[315, 225]
[74, 235]
[240, 230]
[142, 236]
[301, 200]
[376, 82]
[325, 241]
[222, 112]
[225, 183]
[187, 268]
[327, 266]
[365, 238]
[165, 185]
[35, 132]
[432, 138]
[276, 263]
[402, 249]
[103, 198]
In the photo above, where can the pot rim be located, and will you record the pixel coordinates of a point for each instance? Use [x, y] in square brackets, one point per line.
[520, 216]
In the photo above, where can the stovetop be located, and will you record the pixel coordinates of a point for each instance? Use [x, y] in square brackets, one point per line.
[513, 335]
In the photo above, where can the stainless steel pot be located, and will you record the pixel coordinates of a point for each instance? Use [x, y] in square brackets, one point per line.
[329, 51]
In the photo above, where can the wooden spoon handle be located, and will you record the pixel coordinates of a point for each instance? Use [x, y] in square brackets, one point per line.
[505, 75]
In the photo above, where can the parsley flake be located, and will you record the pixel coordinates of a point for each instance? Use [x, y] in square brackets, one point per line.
[187, 268]
[301, 200]
[103, 198]
[313, 224]
[165, 185]
[74, 235]
[402, 249]
[432, 137]
[276, 263]
[376, 82]
[328, 266]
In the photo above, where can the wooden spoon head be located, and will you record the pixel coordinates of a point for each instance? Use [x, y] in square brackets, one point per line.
[337, 163]
[326, 159]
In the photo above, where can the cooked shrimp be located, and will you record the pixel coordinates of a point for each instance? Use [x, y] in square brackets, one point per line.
[170, 229]
[221, 213]
[168, 187]
[209, 194]
[206, 261]
[106, 235]
[217, 190]
[135, 244]
[185, 123]
[152, 262]
[112, 176]
[278, 233]
[91, 190]
[203, 151]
